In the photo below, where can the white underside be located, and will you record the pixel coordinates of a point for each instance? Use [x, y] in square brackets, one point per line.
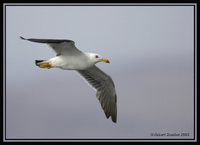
[70, 62]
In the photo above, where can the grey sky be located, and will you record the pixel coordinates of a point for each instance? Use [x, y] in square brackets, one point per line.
[151, 53]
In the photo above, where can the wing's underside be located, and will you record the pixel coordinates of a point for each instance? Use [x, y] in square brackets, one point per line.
[105, 90]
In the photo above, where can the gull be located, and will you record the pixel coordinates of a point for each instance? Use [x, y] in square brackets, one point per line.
[68, 57]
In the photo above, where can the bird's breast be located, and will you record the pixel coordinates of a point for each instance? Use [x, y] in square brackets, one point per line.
[73, 63]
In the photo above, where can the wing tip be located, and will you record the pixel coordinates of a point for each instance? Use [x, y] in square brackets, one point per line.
[114, 118]
[114, 121]
[110, 114]
[22, 38]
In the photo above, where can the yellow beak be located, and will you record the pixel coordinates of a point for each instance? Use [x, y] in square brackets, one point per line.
[105, 60]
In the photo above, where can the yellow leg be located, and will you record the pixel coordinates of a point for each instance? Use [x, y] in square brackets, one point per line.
[45, 65]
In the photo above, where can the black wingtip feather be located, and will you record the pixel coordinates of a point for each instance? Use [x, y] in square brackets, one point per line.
[22, 38]
[114, 119]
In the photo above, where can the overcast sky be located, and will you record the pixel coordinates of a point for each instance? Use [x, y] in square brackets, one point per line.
[151, 53]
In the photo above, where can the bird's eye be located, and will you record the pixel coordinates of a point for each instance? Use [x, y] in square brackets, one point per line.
[97, 56]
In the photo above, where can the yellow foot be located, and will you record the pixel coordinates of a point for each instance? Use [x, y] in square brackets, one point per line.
[45, 65]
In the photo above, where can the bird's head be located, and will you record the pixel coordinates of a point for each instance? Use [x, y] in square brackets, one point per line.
[97, 58]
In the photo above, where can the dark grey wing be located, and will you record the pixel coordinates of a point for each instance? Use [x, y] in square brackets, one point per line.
[105, 90]
[60, 46]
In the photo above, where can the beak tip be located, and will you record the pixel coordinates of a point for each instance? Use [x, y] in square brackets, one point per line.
[105, 60]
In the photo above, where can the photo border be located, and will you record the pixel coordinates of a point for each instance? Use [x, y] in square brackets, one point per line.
[99, 139]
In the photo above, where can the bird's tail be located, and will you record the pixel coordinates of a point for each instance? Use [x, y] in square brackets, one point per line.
[43, 64]
[38, 62]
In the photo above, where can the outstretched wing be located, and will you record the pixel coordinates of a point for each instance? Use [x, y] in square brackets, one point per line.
[105, 90]
[60, 46]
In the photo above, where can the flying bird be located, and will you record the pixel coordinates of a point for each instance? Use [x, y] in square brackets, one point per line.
[68, 57]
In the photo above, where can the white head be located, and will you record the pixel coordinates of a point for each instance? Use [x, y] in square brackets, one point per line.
[97, 58]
